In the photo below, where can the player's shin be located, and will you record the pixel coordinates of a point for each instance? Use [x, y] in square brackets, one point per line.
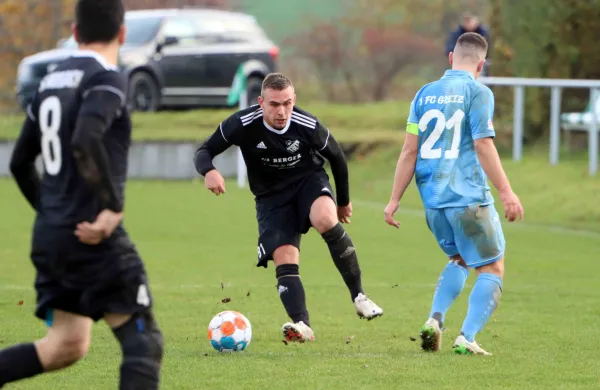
[450, 284]
[19, 362]
[345, 259]
[142, 345]
[483, 300]
[291, 292]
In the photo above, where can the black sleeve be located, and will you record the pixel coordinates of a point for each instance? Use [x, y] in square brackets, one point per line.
[328, 147]
[22, 162]
[103, 101]
[225, 135]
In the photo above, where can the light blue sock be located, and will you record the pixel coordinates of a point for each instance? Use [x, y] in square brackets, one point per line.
[450, 284]
[483, 300]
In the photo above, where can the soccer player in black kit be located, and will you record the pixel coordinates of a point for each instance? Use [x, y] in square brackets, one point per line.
[283, 148]
[87, 269]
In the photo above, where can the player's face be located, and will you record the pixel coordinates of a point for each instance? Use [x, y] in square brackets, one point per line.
[277, 106]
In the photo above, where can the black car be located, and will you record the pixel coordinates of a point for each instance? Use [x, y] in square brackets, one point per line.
[175, 58]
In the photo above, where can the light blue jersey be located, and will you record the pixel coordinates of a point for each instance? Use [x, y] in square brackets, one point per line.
[448, 115]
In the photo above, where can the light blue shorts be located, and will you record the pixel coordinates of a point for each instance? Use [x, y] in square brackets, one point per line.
[473, 232]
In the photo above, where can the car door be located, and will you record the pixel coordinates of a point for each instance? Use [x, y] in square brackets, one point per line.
[182, 65]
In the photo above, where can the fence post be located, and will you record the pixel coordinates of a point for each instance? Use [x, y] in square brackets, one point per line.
[593, 134]
[554, 124]
[518, 109]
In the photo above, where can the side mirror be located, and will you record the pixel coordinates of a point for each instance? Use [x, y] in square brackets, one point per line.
[166, 41]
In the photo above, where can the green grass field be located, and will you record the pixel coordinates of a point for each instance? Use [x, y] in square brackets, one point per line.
[543, 335]
[375, 122]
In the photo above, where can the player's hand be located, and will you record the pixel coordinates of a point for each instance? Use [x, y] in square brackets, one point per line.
[389, 212]
[512, 206]
[344, 213]
[215, 182]
[104, 225]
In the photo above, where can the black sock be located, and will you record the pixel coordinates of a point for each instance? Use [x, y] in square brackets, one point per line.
[344, 257]
[19, 362]
[291, 292]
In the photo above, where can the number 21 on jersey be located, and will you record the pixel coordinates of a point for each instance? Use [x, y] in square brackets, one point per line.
[50, 118]
[454, 123]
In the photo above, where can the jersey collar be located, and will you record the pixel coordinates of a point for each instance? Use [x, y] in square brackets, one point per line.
[458, 73]
[96, 56]
[280, 132]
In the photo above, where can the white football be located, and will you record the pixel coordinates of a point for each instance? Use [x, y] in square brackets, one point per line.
[229, 331]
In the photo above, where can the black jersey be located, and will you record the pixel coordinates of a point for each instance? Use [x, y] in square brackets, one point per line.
[82, 94]
[275, 159]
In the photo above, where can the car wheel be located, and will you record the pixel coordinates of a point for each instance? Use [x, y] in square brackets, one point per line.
[253, 89]
[143, 93]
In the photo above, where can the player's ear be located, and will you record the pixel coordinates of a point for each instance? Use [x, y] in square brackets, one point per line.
[122, 33]
[261, 101]
[75, 32]
[450, 58]
[294, 99]
[480, 66]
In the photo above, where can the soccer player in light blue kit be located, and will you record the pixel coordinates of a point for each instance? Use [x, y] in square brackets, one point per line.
[449, 149]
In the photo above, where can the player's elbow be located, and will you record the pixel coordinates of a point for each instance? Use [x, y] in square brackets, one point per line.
[483, 145]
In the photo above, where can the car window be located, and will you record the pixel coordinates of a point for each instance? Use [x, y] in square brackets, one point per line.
[181, 28]
[229, 30]
[139, 31]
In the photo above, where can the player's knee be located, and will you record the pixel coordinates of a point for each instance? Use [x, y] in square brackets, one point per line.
[323, 214]
[142, 345]
[286, 254]
[61, 352]
[458, 260]
[495, 268]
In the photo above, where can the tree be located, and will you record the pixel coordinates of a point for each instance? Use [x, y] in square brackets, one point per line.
[365, 49]
[558, 40]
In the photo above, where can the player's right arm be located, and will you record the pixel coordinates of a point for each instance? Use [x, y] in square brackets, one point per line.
[405, 168]
[482, 130]
[224, 136]
[103, 99]
[22, 162]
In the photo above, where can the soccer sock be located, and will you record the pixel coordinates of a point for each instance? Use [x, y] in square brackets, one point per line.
[344, 257]
[19, 362]
[482, 302]
[291, 292]
[450, 284]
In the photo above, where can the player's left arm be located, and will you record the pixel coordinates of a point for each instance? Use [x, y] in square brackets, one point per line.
[22, 161]
[103, 101]
[325, 143]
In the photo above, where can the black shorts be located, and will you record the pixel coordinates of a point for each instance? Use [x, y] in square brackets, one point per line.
[88, 280]
[285, 216]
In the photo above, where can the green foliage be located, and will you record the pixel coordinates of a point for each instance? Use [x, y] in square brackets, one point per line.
[560, 39]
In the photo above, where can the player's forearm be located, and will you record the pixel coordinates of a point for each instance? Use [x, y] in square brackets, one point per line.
[405, 170]
[490, 162]
[28, 181]
[339, 168]
[92, 161]
[203, 158]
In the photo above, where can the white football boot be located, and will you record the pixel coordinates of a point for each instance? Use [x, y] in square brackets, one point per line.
[366, 308]
[431, 336]
[464, 347]
[298, 332]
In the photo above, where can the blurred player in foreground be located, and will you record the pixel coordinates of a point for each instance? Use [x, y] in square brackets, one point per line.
[449, 149]
[87, 268]
[282, 146]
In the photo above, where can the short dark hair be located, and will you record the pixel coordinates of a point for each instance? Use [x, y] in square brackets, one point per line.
[471, 45]
[99, 20]
[276, 81]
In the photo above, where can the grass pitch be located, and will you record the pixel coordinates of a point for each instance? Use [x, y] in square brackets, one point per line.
[200, 249]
